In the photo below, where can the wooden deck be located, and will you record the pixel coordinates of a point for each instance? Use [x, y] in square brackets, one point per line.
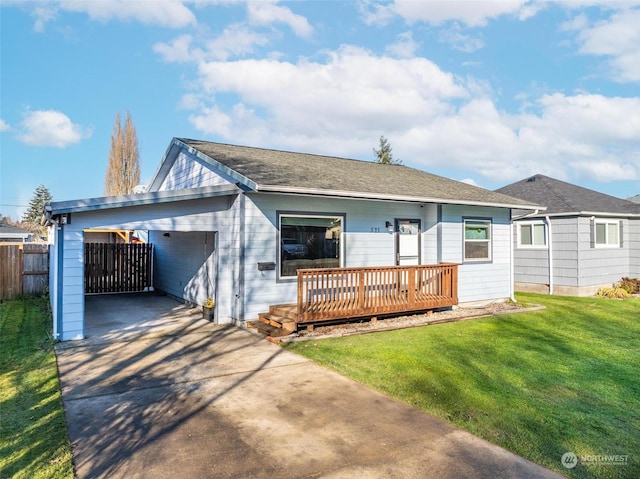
[335, 294]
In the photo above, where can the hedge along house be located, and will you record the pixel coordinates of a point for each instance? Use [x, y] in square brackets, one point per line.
[235, 223]
[583, 241]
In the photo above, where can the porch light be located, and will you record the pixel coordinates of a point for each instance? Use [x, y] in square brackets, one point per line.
[389, 226]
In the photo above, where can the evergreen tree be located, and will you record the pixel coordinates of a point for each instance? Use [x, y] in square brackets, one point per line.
[40, 199]
[384, 154]
[123, 171]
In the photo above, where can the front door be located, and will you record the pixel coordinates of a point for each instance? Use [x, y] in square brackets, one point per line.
[407, 242]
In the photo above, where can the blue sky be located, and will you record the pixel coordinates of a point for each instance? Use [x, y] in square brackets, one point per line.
[487, 92]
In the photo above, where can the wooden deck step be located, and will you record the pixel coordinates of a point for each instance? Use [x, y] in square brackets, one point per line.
[273, 325]
[289, 311]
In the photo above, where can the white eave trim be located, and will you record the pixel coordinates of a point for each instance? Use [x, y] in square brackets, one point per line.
[599, 214]
[152, 197]
[371, 196]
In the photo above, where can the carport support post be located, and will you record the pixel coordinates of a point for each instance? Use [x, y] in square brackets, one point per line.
[241, 253]
[59, 279]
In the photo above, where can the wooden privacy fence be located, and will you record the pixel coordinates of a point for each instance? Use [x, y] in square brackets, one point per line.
[117, 268]
[337, 293]
[24, 269]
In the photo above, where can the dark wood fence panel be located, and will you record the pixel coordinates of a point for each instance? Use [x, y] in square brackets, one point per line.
[24, 269]
[117, 268]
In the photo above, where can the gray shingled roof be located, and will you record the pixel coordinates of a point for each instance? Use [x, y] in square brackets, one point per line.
[274, 170]
[561, 197]
[10, 231]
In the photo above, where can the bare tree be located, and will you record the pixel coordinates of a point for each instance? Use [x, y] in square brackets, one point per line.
[123, 172]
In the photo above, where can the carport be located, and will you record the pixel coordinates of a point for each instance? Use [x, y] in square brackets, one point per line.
[186, 228]
[124, 317]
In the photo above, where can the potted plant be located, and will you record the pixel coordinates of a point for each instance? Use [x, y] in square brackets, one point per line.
[207, 309]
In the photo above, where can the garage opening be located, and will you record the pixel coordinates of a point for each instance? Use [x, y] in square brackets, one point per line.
[168, 279]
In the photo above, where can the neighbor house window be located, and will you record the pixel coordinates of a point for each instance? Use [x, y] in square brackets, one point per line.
[477, 240]
[607, 233]
[309, 241]
[531, 235]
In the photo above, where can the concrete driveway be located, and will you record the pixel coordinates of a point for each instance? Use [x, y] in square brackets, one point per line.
[196, 400]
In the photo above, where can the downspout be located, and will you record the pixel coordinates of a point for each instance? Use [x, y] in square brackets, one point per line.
[241, 233]
[512, 274]
[550, 251]
[58, 231]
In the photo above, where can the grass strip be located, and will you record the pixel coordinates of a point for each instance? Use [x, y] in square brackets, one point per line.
[33, 435]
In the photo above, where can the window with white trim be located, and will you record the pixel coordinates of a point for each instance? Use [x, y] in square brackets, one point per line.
[607, 233]
[532, 235]
[477, 240]
[308, 241]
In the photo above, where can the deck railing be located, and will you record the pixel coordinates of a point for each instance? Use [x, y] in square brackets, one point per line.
[337, 293]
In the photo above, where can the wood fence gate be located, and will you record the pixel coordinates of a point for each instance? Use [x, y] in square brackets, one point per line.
[118, 268]
[24, 269]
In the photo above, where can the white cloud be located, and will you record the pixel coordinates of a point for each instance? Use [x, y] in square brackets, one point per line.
[43, 14]
[617, 38]
[469, 12]
[267, 13]
[235, 40]
[4, 126]
[165, 13]
[432, 118]
[469, 181]
[50, 128]
[353, 92]
[375, 13]
[584, 135]
[460, 41]
[404, 47]
[179, 50]
[578, 22]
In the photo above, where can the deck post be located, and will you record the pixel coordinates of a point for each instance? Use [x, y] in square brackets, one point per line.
[411, 294]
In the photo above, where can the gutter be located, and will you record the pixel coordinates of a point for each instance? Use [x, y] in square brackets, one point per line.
[603, 214]
[377, 197]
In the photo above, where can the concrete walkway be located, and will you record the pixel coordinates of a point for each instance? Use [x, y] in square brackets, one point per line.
[196, 400]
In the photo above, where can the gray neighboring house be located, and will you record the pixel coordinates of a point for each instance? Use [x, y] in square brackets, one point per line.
[584, 240]
[13, 234]
[234, 223]
[634, 199]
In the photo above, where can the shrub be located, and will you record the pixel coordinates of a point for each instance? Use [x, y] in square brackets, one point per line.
[630, 285]
[617, 293]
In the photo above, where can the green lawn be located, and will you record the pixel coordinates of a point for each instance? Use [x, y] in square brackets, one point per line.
[33, 435]
[564, 379]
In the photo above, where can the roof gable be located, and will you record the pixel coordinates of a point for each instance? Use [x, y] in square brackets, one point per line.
[262, 169]
[561, 197]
